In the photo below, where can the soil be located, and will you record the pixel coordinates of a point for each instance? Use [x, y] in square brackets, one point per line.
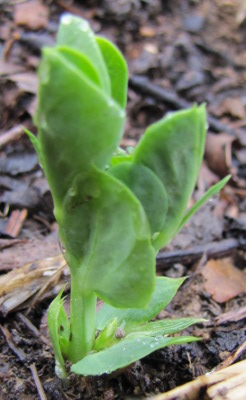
[179, 52]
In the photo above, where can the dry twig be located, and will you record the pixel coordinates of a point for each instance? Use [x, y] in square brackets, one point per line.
[38, 384]
[226, 384]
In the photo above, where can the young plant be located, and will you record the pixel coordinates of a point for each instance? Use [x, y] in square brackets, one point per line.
[115, 209]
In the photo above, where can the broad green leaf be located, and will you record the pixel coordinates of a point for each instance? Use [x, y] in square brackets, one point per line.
[81, 62]
[76, 33]
[211, 192]
[173, 148]
[78, 124]
[124, 353]
[164, 326]
[148, 188]
[105, 229]
[59, 331]
[117, 70]
[165, 290]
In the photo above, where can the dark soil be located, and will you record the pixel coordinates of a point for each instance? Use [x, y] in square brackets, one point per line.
[193, 51]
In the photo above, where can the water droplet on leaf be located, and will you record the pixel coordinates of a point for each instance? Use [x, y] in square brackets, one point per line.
[66, 19]
[62, 248]
[122, 114]
[110, 103]
[84, 26]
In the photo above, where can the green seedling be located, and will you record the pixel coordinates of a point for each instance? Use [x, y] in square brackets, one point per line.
[115, 209]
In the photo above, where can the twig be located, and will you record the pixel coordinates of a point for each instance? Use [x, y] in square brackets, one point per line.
[32, 328]
[206, 48]
[231, 316]
[12, 134]
[228, 383]
[51, 282]
[38, 383]
[145, 87]
[18, 352]
[28, 324]
[212, 250]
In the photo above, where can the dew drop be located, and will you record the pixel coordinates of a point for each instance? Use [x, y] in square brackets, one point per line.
[152, 345]
[66, 19]
[62, 248]
[122, 114]
[84, 26]
[214, 199]
[110, 103]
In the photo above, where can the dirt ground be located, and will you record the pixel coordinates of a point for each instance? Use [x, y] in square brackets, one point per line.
[178, 52]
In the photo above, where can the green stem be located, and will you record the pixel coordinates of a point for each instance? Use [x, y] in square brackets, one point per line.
[82, 320]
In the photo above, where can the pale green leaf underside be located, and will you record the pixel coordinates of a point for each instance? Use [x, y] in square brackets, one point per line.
[173, 148]
[78, 124]
[104, 227]
[164, 292]
[124, 353]
[80, 61]
[148, 188]
[77, 34]
[117, 70]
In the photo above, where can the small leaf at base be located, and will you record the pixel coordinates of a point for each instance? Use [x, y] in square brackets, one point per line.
[124, 353]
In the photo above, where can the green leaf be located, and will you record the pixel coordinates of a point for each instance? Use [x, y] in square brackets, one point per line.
[211, 192]
[173, 148]
[81, 62]
[59, 331]
[106, 336]
[148, 188]
[164, 326]
[117, 70]
[78, 124]
[35, 143]
[76, 33]
[124, 353]
[105, 230]
[164, 292]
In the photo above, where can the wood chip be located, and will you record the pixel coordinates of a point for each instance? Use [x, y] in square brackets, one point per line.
[147, 31]
[231, 316]
[32, 14]
[15, 223]
[223, 280]
[226, 384]
[18, 287]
